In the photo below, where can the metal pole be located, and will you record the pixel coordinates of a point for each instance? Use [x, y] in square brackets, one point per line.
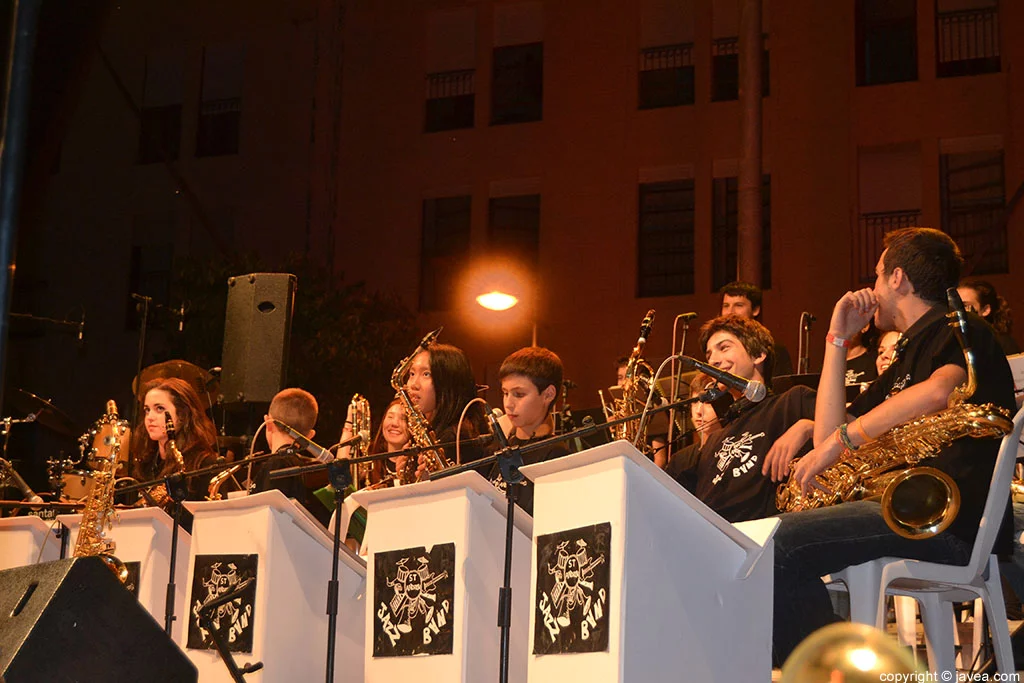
[25, 15]
[749, 244]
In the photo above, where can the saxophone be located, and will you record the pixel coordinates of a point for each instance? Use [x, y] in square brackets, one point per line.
[880, 467]
[158, 494]
[98, 515]
[635, 388]
[419, 427]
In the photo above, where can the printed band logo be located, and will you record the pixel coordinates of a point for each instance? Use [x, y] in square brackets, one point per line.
[134, 574]
[571, 596]
[736, 449]
[414, 594]
[214, 576]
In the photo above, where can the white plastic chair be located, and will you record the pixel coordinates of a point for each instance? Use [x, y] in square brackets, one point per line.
[937, 586]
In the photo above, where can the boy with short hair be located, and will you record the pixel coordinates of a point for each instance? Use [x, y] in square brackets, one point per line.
[530, 380]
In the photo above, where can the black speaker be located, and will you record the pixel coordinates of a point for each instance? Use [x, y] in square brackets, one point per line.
[72, 620]
[257, 331]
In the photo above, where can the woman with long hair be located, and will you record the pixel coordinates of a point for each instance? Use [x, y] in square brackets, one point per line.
[979, 296]
[195, 435]
[441, 385]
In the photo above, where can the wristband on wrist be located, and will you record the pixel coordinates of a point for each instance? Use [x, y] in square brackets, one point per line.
[860, 427]
[844, 438]
[835, 340]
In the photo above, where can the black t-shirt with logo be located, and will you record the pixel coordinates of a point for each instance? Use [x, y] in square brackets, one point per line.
[928, 345]
[728, 470]
[524, 497]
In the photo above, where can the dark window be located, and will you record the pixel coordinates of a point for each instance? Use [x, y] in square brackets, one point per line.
[666, 76]
[445, 246]
[149, 271]
[886, 41]
[725, 70]
[159, 133]
[973, 209]
[967, 42]
[517, 87]
[725, 232]
[220, 106]
[869, 242]
[514, 227]
[665, 251]
[451, 97]
[219, 127]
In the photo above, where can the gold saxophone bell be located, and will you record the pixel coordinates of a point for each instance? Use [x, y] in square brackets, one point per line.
[920, 502]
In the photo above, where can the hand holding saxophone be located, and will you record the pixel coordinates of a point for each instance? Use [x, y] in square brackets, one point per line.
[814, 463]
[852, 312]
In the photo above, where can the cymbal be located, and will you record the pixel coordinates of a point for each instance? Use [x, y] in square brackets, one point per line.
[200, 380]
[47, 414]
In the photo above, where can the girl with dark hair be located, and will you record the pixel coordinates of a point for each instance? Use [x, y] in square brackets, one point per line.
[979, 296]
[195, 435]
[441, 385]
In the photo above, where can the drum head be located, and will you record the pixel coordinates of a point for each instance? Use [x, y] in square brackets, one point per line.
[78, 484]
[104, 439]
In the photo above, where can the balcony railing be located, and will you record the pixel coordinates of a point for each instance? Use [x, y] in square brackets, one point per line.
[450, 84]
[980, 232]
[871, 234]
[968, 41]
[666, 57]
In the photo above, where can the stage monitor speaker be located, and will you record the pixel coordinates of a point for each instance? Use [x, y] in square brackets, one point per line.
[72, 620]
[257, 332]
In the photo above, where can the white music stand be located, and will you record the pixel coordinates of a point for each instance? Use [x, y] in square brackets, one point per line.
[690, 595]
[468, 511]
[293, 567]
[143, 535]
[27, 540]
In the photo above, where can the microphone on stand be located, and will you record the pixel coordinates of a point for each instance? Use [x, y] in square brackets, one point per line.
[27, 494]
[318, 451]
[496, 431]
[81, 326]
[180, 312]
[751, 389]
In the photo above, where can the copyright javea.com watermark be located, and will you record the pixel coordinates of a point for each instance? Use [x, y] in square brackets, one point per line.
[947, 677]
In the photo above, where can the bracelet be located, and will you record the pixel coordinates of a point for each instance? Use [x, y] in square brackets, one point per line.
[860, 426]
[844, 438]
[836, 340]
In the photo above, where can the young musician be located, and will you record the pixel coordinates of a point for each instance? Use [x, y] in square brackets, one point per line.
[392, 436]
[738, 466]
[979, 296]
[744, 299]
[914, 271]
[530, 379]
[298, 409]
[441, 385]
[195, 438]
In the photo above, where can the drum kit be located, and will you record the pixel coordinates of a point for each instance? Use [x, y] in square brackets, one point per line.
[71, 478]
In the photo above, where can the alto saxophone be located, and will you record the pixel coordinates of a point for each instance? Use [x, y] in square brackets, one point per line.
[635, 389]
[879, 467]
[159, 493]
[419, 427]
[98, 515]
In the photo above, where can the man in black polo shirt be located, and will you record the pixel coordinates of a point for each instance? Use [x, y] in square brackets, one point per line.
[913, 274]
[736, 471]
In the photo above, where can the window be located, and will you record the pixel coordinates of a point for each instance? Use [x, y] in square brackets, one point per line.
[725, 232]
[973, 206]
[513, 227]
[152, 255]
[445, 245]
[451, 98]
[967, 37]
[220, 107]
[160, 114]
[666, 76]
[517, 87]
[725, 70]
[451, 69]
[665, 239]
[889, 197]
[886, 41]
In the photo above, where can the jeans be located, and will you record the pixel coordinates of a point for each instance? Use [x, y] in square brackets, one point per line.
[813, 543]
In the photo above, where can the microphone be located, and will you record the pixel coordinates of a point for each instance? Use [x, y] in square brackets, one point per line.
[318, 451]
[809, 317]
[753, 390]
[141, 299]
[27, 494]
[81, 326]
[686, 316]
[645, 327]
[496, 431]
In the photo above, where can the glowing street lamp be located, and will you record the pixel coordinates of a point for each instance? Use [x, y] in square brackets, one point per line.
[495, 300]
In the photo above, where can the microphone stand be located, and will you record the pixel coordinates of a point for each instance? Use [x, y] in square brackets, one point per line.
[510, 459]
[177, 489]
[340, 476]
[685, 318]
[206, 621]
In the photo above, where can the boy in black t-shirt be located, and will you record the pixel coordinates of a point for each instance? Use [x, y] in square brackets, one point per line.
[738, 467]
[530, 379]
